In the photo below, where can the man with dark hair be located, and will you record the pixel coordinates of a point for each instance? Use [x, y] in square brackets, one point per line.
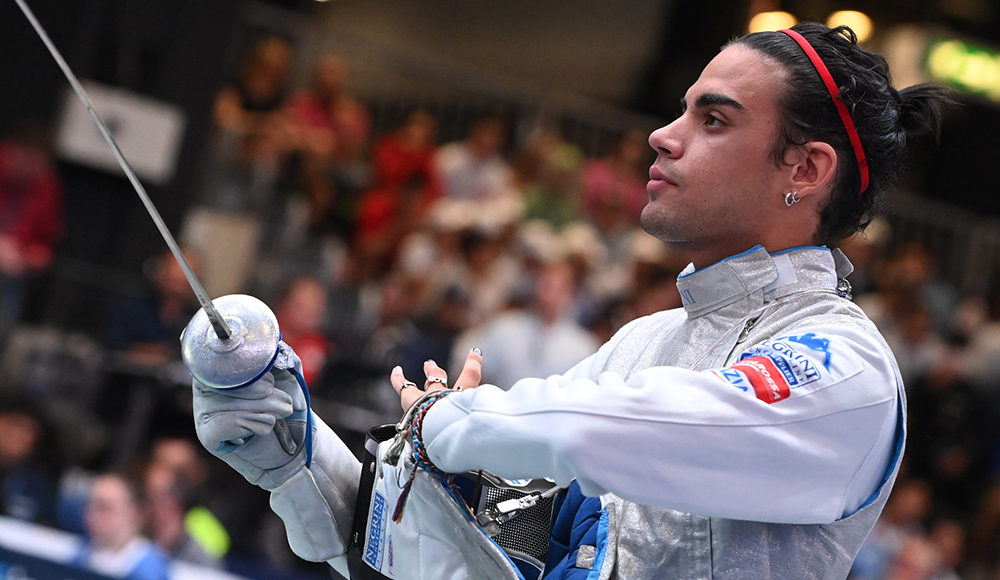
[753, 433]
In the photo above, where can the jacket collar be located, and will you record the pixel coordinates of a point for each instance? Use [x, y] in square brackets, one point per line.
[756, 271]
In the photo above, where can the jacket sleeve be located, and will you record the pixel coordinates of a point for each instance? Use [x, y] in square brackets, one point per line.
[801, 429]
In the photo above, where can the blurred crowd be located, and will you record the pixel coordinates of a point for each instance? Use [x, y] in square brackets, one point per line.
[943, 518]
[378, 250]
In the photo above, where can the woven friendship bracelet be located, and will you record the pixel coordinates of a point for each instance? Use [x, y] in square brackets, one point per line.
[420, 458]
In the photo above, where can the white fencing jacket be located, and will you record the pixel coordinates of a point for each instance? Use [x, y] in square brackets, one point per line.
[754, 433]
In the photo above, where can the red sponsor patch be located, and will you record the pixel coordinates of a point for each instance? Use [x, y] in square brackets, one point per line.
[768, 382]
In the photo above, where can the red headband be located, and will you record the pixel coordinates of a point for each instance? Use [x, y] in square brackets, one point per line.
[845, 116]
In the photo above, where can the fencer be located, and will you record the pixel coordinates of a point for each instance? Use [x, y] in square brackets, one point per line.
[753, 433]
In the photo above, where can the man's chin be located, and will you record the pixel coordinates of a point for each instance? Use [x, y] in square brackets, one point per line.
[659, 228]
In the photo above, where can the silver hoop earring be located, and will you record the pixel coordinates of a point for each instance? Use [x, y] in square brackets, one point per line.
[792, 198]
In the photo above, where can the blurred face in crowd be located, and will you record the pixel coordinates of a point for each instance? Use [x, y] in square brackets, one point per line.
[714, 186]
[418, 130]
[20, 433]
[487, 138]
[632, 149]
[170, 279]
[112, 516]
[329, 76]
[555, 290]
[180, 456]
[267, 67]
[166, 506]
[304, 307]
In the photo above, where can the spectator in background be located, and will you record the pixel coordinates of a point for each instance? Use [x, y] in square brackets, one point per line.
[901, 311]
[950, 436]
[300, 314]
[438, 246]
[181, 458]
[27, 482]
[917, 559]
[31, 215]
[614, 187]
[949, 538]
[917, 272]
[245, 105]
[331, 133]
[548, 173]
[541, 340]
[115, 546]
[250, 141]
[170, 497]
[437, 330]
[474, 168]
[406, 184]
[981, 326]
[866, 250]
[147, 328]
[901, 520]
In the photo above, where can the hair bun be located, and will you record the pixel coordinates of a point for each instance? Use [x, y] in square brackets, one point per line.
[921, 108]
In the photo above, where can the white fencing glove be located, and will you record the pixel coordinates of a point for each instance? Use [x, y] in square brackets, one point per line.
[266, 432]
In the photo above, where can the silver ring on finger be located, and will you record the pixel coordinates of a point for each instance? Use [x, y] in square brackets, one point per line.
[437, 380]
[407, 384]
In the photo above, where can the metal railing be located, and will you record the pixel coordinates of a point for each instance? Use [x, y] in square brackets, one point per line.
[966, 246]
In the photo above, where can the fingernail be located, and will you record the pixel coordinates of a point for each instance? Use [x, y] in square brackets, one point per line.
[477, 351]
[397, 369]
[430, 360]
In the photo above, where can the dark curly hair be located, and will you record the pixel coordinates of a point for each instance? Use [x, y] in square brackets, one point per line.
[883, 116]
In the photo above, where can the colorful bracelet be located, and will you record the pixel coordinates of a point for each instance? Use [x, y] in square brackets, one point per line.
[420, 458]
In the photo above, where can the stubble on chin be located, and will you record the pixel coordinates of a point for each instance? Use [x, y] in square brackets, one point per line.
[661, 226]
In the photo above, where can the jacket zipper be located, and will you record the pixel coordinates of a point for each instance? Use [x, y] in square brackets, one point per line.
[747, 328]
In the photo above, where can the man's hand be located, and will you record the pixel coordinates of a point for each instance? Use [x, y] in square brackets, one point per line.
[437, 379]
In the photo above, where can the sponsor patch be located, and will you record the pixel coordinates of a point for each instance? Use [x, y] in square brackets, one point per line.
[376, 529]
[733, 377]
[797, 369]
[811, 341]
[767, 380]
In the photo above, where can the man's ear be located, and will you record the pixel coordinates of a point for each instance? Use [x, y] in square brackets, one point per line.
[813, 168]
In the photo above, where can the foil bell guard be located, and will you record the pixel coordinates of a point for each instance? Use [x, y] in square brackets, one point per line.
[240, 359]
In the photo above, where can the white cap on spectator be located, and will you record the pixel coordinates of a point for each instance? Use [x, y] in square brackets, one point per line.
[582, 239]
[452, 215]
[538, 240]
[494, 214]
[646, 248]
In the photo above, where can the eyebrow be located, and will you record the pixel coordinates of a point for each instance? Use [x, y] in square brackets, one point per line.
[709, 99]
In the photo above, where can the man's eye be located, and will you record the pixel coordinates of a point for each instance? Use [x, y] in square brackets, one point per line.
[713, 121]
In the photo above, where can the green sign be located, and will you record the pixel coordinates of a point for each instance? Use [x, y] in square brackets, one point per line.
[966, 67]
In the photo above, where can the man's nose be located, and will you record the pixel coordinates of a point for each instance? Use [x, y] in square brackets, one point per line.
[666, 141]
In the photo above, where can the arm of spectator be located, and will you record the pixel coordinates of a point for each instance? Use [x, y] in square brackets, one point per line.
[228, 112]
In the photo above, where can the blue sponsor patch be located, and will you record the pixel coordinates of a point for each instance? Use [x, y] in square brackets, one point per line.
[376, 525]
[796, 368]
[734, 377]
[786, 370]
[810, 340]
